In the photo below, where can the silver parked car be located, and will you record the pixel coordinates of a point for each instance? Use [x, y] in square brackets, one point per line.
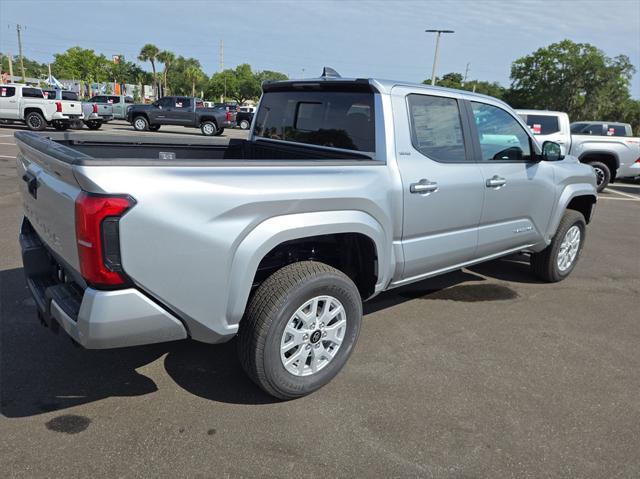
[344, 189]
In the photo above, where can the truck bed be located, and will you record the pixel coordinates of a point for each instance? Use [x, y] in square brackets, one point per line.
[94, 150]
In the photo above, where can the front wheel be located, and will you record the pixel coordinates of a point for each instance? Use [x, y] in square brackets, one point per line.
[603, 174]
[299, 329]
[244, 124]
[208, 128]
[556, 261]
[140, 123]
[60, 125]
[94, 124]
[219, 132]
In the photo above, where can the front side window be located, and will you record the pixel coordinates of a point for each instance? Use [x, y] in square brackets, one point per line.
[501, 137]
[167, 102]
[543, 124]
[114, 99]
[324, 118]
[436, 128]
[7, 91]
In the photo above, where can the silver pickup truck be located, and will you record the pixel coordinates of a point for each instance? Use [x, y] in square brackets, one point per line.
[611, 156]
[93, 114]
[344, 189]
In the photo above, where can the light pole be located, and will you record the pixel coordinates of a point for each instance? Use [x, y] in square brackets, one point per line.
[435, 56]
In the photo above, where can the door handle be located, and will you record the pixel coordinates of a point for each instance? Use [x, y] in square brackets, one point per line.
[496, 182]
[423, 187]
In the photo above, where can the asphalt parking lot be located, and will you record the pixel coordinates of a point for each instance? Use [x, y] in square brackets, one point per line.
[483, 372]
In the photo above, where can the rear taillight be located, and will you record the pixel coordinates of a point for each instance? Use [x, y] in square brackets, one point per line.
[95, 108]
[637, 161]
[98, 238]
[228, 115]
[59, 106]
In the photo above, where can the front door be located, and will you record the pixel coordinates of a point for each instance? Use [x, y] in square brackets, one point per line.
[442, 186]
[9, 106]
[519, 189]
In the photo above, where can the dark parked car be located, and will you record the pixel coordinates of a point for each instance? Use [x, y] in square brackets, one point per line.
[244, 117]
[182, 111]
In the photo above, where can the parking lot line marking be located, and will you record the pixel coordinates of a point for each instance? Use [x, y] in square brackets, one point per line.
[8, 144]
[617, 199]
[5, 156]
[5, 136]
[629, 195]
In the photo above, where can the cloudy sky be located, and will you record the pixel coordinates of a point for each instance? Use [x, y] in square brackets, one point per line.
[360, 38]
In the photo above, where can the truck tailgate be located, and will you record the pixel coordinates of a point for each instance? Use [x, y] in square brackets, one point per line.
[105, 109]
[71, 107]
[48, 188]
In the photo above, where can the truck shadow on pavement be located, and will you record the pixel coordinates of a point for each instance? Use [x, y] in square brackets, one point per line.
[41, 372]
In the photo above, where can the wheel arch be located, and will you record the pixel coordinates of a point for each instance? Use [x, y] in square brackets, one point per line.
[282, 232]
[580, 197]
[609, 158]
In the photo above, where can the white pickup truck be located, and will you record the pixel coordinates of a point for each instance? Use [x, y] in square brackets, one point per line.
[612, 157]
[22, 103]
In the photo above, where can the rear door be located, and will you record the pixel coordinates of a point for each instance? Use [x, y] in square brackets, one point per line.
[180, 112]
[442, 186]
[519, 191]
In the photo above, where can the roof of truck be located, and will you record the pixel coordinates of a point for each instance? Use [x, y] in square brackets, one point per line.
[381, 85]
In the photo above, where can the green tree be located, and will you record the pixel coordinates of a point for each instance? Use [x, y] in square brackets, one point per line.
[177, 78]
[82, 64]
[455, 80]
[194, 75]
[167, 58]
[149, 53]
[240, 84]
[573, 77]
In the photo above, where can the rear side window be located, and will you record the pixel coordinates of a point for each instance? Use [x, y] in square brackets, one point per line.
[7, 91]
[334, 119]
[49, 94]
[543, 124]
[114, 99]
[436, 129]
[32, 93]
[615, 130]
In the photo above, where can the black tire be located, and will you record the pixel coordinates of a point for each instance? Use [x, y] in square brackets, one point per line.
[35, 121]
[60, 125]
[208, 128]
[94, 124]
[154, 127]
[603, 174]
[219, 132]
[140, 123]
[245, 124]
[545, 263]
[270, 309]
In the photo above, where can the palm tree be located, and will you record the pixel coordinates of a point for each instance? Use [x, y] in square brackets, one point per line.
[167, 58]
[149, 53]
[194, 74]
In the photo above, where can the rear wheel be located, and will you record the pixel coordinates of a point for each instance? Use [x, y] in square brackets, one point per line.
[557, 260]
[299, 329]
[35, 121]
[208, 128]
[603, 174]
[140, 123]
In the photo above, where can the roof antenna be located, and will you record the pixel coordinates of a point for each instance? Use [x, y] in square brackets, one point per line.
[328, 72]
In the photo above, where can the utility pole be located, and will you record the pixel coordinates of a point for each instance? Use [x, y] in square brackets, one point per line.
[19, 30]
[466, 73]
[10, 68]
[435, 56]
[224, 76]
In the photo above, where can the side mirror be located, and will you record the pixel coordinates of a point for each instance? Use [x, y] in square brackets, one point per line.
[551, 151]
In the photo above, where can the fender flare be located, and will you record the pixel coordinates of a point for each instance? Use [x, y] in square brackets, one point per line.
[278, 229]
[570, 192]
[602, 152]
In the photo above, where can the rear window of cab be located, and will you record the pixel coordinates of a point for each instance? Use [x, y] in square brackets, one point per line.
[333, 119]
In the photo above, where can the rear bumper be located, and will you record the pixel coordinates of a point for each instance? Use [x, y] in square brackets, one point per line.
[95, 319]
